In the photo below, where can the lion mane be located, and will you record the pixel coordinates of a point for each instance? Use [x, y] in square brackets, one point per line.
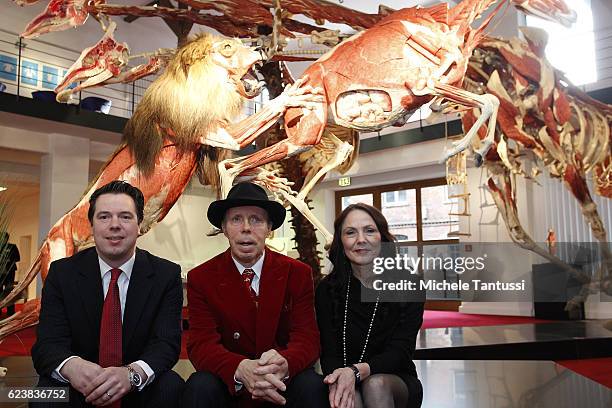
[190, 98]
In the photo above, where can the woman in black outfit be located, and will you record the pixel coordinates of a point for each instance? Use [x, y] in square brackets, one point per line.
[366, 348]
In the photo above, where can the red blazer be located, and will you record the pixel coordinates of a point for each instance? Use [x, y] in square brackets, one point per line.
[222, 327]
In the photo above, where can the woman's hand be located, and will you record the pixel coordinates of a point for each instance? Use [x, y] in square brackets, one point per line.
[341, 388]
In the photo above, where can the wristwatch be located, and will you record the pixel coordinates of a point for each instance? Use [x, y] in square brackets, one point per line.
[135, 378]
[357, 374]
[238, 385]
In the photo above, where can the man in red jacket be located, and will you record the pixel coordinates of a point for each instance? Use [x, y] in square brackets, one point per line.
[253, 336]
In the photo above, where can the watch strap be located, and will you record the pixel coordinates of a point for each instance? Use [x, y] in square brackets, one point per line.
[357, 374]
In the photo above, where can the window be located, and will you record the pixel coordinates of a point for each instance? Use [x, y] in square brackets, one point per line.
[401, 213]
[572, 50]
[435, 209]
[419, 217]
[389, 197]
[417, 212]
[395, 197]
[359, 198]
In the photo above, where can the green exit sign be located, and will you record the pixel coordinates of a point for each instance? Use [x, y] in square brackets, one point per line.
[344, 181]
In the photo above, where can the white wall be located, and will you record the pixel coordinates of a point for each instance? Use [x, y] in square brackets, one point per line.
[181, 236]
[602, 15]
[24, 225]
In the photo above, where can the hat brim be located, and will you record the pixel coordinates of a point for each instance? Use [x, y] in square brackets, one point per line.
[217, 209]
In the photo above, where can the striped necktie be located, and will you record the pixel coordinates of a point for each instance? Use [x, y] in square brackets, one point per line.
[247, 278]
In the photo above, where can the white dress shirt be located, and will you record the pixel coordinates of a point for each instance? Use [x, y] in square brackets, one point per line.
[123, 282]
[257, 267]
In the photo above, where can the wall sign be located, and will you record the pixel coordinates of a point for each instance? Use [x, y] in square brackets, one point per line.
[344, 181]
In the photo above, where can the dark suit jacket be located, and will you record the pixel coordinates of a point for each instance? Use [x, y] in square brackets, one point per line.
[11, 257]
[72, 300]
[226, 327]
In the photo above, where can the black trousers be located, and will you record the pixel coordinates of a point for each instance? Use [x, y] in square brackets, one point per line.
[165, 391]
[206, 390]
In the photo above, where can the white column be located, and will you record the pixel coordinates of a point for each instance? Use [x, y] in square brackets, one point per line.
[595, 308]
[64, 175]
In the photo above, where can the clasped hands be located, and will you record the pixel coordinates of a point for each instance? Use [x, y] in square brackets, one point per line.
[341, 384]
[100, 386]
[263, 378]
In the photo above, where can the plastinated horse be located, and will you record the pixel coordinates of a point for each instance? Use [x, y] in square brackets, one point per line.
[568, 133]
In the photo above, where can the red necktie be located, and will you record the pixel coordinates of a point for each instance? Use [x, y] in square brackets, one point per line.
[247, 278]
[110, 326]
[110, 353]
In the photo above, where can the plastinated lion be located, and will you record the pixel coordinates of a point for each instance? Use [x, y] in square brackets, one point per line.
[195, 101]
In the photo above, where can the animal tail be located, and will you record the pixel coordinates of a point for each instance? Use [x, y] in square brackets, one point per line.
[207, 166]
[144, 139]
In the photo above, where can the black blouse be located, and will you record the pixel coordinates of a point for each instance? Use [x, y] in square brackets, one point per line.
[392, 339]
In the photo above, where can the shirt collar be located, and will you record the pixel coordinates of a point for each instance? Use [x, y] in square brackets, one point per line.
[257, 267]
[125, 268]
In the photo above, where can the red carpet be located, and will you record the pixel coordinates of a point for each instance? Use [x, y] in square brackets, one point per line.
[18, 344]
[597, 369]
[434, 319]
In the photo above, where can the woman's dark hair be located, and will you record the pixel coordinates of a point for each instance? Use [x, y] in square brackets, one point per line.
[118, 187]
[337, 256]
[339, 276]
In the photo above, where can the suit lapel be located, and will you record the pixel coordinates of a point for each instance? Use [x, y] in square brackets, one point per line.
[231, 288]
[272, 288]
[89, 288]
[141, 282]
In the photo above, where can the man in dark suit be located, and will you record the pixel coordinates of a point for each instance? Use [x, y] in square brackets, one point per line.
[253, 336]
[110, 317]
[8, 260]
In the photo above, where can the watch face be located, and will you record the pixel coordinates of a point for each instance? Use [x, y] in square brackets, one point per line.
[136, 379]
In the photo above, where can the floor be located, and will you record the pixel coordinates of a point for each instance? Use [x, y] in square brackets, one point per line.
[505, 384]
[447, 384]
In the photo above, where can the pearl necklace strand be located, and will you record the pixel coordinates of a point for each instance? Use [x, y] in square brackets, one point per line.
[365, 345]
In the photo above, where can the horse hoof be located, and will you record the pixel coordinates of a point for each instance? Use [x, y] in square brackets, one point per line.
[478, 160]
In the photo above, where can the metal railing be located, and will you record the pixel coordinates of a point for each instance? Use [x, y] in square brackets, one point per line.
[27, 66]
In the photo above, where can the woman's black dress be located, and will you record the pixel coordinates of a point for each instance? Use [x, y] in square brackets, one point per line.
[392, 339]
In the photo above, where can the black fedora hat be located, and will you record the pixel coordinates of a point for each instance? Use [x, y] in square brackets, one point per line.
[244, 194]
